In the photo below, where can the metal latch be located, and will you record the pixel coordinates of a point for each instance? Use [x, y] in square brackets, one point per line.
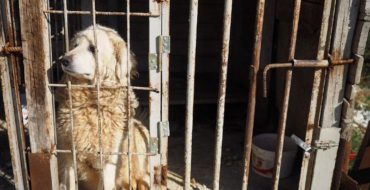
[164, 128]
[325, 144]
[318, 144]
[153, 145]
[164, 44]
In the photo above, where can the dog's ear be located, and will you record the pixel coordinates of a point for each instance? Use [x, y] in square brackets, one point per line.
[120, 51]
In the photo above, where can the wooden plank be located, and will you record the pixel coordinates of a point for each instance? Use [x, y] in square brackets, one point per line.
[165, 7]
[15, 145]
[343, 31]
[325, 160]
[154, 98]
[36, 56]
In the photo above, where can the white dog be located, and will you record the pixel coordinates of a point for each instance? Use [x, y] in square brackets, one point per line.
[80, 67]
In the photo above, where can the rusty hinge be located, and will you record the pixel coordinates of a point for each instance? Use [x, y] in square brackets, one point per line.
[7, 49]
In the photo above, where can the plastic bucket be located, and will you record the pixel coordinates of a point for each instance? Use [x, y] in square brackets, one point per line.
[263, 155]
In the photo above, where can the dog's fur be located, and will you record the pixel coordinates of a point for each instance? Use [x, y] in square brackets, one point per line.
[82, 69]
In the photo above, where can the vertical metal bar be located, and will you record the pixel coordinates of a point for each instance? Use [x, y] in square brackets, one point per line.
[190, 91]
[66, 27]
[97, 73]
[128, 68]
[165, 15]
[72, 133]
[284, 109]
[317, 93]
[252, 91]
[222, 93]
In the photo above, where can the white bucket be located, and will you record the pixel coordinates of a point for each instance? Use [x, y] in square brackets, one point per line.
[263, 155]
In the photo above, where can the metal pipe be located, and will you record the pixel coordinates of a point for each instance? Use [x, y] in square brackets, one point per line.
[295, 64]
[98, 89]
[72, 133]
[317, 91]
[252, 92]
[222, 93]
[128, 105]
[105, 87]
[190, 91]
[105, 13]
[105, 153]
[284, 110]
[66, 27]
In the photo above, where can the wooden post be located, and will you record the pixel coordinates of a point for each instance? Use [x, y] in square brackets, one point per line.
[343, 31]
[165, 16]
[37, 64]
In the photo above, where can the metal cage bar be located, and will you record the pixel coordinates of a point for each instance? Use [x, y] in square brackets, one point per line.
[252, 92]
[98, 89]
[317, 93]
[222, 93]
[286, 96]
[190, 91]
[103, 13]
[128, 68]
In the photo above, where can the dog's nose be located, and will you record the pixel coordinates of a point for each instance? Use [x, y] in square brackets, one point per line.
[65, 61]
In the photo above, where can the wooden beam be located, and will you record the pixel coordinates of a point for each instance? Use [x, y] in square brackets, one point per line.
[343, 31]
[37, 64]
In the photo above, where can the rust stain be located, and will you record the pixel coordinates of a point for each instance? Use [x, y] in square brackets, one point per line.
[164, 175]
[40, 173]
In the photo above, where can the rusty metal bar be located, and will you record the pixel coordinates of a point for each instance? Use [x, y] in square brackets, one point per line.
[317, 93]
[104, 87]
[66, 26]
[105, 153]
[284, 109]
[128, 68]
[252, 92]
[105, 13]
[7, 49]
[340, 62]
[190, 91]
[222, 93]
[72, 135]
[98, 90]
[295, 64]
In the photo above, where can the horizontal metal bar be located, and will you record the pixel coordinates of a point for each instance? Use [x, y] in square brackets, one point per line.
[9, 49]
[106, 153]
[105, 87]
[294, 64]
[143, 14]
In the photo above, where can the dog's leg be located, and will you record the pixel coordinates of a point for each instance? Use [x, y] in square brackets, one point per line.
[110, 168]
[67, 175]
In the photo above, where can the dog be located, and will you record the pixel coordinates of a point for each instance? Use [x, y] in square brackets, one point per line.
[80, 66]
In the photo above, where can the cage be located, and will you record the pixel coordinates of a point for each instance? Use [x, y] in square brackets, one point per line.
[212, 75]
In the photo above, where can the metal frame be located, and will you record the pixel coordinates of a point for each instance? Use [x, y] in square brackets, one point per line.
[158, 27]
[158, 16]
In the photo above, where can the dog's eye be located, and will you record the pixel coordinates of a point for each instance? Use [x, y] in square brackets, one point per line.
[92, 49]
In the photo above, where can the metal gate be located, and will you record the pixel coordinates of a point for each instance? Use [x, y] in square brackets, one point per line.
[344, 29]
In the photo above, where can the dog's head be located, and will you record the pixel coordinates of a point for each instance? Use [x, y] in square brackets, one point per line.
[110, 52]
